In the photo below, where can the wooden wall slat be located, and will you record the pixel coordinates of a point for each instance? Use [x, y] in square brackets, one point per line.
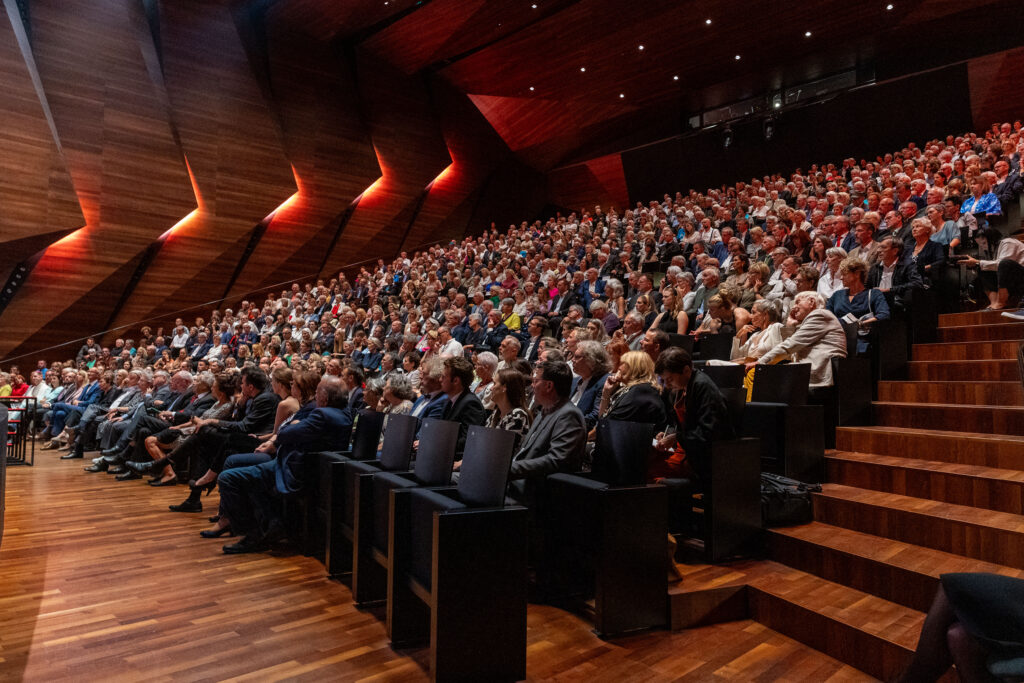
[327, 144]
[126, 168]
[233, 146]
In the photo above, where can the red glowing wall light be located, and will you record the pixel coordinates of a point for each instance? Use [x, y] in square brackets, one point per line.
[290, 202]
[199, 203]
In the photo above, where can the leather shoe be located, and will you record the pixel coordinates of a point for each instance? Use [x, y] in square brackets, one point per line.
[118, 468]
[71, 456]
[275, 532]
[101, 466]
[187, 506]
[127, 475]
[116, 458]
[253, 543]
[173, 481]
[111, 452]
[140, 467]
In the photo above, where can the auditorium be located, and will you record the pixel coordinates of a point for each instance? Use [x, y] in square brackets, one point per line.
[501, 340]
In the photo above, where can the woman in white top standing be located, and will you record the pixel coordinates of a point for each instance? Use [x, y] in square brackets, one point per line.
[829, 283]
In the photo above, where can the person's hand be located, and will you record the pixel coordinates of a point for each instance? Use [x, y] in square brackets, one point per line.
[611, 384]
[267, 447]
[165, 415]
[971, 262]
[457, 466]
[750, 366]
[745, 332]
[665, 442]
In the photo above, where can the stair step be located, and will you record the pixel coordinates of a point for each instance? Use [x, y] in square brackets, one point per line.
[893, 570]
[978, 486]
[989, 350]
[985, 419]
[987, 535]
[971, 318]
[872, 634]
[967, 448]
[1002, 370]
[963, 393]
[990, 332]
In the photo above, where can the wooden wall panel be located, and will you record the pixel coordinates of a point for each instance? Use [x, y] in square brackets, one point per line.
[996, 93]
[233, 146]
[327, 144]
[411, 150]
[598, 181]
[38, 199]
[126, 169]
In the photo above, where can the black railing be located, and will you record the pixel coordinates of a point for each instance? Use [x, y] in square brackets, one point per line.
[22, 412]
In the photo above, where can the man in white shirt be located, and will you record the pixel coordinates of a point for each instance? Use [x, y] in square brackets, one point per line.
[449, 345]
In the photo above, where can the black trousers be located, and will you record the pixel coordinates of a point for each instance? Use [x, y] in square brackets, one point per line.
[208, 448]
[148, 426]
[1010, 275]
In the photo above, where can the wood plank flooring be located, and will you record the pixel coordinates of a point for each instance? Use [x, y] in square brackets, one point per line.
[101, 582]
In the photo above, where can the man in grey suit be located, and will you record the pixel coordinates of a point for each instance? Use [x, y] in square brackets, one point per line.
[819, 337]
[558, 436]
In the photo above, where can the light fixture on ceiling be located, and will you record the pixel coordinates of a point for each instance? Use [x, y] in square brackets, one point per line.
[640, 47]
[727, 138]
[708, 22]
[531, 88]
[583, 69]
[807, 34]
[737, 58]
[675, 78]
[889, 7]
[777, 101]
[533, 6]
[769, 128]
[622, 95]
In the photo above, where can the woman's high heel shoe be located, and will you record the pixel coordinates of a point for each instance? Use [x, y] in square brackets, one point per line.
[207, 487]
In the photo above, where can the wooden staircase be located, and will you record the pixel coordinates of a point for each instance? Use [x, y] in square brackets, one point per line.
[936, 486]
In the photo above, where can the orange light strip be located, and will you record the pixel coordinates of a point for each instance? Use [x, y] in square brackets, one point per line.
[199, 202]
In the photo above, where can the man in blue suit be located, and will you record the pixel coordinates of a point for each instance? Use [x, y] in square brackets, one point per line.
[249, 496]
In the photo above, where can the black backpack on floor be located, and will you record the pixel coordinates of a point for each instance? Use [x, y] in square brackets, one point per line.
[786, 502]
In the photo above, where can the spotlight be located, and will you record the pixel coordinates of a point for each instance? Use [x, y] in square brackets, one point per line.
[708, 22]
[727, 138]
[777, 101]
[769, 128]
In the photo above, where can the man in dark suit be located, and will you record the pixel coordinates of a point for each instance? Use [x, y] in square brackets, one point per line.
[560, 304]
[893, 276]
[558, 436]
[353, 377]
[591, 363]
[530, 345]
[237, 434]
[432, 402]
[463, 406]
[200, 350]
[250, 496]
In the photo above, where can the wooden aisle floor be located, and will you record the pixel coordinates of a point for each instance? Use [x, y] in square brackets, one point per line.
[99, 581]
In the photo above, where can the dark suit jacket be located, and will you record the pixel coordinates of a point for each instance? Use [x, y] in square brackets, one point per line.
[640, 403]
[560, 304]
[590, 402]
[355, 402]
[707, 417]
[588, 298]
[257, 417]
[322, 429]
[554, 443]
[932, 253]
[435, 406]
[1008, 190]
[466, 410]
[200, 351]
[905, 278]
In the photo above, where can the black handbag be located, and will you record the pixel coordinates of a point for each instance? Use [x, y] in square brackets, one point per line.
[786, 502]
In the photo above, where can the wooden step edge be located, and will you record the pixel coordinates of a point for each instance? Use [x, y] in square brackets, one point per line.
[1007, 324]
[981, 472]
[880, 652]
[935, 433]
[960, 362]
[920, 404]
[1006, 522]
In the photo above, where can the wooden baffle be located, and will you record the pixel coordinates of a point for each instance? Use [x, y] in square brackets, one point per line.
[934, 486]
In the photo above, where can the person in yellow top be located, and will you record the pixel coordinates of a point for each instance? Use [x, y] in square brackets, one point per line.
[510, 319]
[5, 384]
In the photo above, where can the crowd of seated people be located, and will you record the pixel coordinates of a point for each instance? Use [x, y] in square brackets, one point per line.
[543, 328]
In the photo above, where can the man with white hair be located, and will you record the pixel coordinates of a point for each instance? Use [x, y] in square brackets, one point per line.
[819, 337]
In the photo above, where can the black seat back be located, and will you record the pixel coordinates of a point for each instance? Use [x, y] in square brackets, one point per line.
[850, 329]
[725, 376]
[620, 453]
[396, 452]
[735, 402]
[681, 341]
[483, 476]
[436, 454]
[785, 383]
[366, 434]
[716, 346]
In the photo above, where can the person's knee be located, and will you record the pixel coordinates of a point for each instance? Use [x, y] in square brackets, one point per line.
[958, 640]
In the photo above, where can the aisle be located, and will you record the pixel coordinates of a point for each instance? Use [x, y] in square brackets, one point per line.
[100, 581]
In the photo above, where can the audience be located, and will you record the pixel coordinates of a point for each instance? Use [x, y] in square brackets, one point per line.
[541, 328]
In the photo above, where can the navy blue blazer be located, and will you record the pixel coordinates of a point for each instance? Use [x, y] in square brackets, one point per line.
[323, 429]
[435, 406]
[588, 298]
[590, 402]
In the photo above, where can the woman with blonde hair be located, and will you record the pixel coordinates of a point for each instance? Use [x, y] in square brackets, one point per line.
[632, 393]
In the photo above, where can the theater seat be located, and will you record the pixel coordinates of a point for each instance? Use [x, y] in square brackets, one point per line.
[458, 568]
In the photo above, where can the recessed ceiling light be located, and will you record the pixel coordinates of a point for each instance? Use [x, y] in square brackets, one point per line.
[531, 88]
[807, 34]
[675, 78]
[708, 22]
[640, 47]
[737, 57]
[583, 68]
[533, 6]
[622, 95]
[888, 7]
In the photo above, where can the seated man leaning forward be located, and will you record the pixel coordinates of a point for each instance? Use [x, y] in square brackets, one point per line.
[558, 436]
[249, 495]
[818, 338]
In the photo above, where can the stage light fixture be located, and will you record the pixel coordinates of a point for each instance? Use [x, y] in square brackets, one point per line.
[769, 128]
[727, 138]
[737, 57]
[889, 7]
[807, 34]
[583, 69]
[708, 22]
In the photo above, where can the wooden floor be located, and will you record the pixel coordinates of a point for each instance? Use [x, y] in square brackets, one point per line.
[98, 581]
